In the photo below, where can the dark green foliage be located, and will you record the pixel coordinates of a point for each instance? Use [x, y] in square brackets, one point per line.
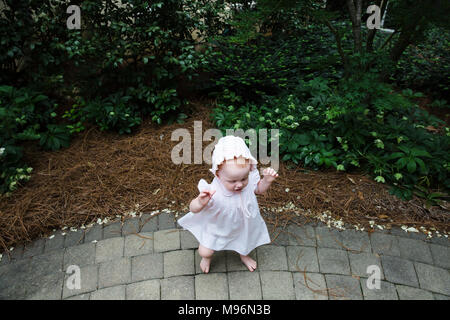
[141, 50]
[360, 123]
[271, 65]
[426, 66]
[25, 115]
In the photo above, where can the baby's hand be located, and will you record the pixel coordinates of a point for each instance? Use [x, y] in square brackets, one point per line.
[205, 196]
[270, 174]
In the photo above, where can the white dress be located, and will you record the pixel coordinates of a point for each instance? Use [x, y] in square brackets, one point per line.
[230, 220]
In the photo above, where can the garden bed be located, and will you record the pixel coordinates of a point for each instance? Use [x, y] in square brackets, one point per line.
[104, 174]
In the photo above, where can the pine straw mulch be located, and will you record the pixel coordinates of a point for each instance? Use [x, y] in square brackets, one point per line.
[103, 174]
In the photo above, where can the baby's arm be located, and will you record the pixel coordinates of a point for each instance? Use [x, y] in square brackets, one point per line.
[269, 176]
[201, 201]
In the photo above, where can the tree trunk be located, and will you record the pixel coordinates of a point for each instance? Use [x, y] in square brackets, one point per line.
[355, 15]
[407, 36]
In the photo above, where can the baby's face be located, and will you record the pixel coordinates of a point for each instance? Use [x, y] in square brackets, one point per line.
[233, 176]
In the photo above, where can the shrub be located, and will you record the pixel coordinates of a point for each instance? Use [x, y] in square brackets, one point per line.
[426, 67]
[349, 126]
[271, 65]
[25, 115]
[138, 51]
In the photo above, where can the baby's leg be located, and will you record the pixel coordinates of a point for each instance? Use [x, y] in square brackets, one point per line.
[206, 255]
[249, 262]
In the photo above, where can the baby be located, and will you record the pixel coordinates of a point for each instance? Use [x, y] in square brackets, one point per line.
[225, 215]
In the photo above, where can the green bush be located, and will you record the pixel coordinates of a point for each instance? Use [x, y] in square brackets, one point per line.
[356, 124]
[426, 66]
[112, 113]
[138, 50]
[271, 65]
[25, 115]
[31, 54]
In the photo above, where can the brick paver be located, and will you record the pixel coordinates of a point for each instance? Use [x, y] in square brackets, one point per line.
[157, 260]
[244, 285]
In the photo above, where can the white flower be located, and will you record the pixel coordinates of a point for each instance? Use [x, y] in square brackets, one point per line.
[2, 150]
[287, 189]
[94, 241]
[411, 229]
[52, 236]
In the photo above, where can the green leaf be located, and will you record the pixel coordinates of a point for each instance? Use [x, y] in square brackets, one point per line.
[401, 162]
[420, 153]
[302, 139]
[421, 164]
[411, 166]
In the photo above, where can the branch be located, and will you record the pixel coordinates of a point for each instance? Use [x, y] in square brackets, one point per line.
[389, 39]
[338, 42]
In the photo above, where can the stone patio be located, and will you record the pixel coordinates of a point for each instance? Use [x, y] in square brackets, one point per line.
[158, 260]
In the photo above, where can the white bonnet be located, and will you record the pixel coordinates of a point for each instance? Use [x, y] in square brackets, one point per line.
[229, 147]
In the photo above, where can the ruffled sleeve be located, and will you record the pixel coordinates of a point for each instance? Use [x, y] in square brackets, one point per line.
[202, 186]
[254, 178]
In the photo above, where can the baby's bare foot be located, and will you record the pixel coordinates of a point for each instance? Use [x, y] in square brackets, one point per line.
[249, 262]
[204, 264]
